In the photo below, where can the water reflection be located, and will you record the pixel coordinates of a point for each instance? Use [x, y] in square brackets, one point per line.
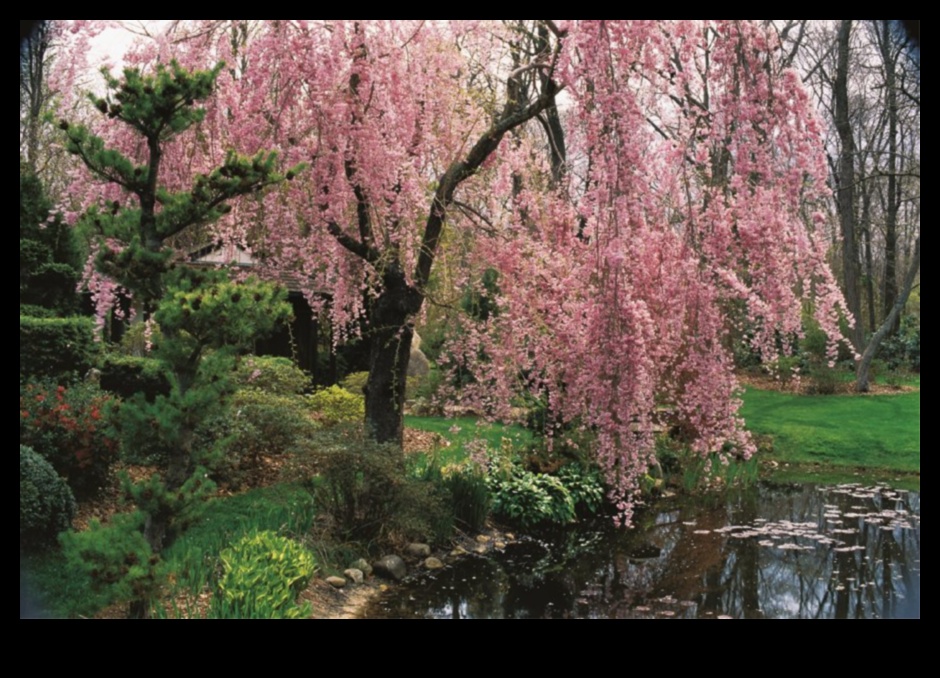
[795, 551]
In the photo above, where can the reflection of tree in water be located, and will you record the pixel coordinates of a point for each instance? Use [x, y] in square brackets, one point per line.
[857, 562]
[795, 551]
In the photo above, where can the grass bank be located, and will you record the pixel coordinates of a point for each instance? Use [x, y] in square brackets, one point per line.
[842, 434]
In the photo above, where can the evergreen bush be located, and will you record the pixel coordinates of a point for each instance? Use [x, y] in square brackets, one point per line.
[47, 505]
[271, 374]
[126, 375]
[253, 422]
[58, 348]
[335, 405]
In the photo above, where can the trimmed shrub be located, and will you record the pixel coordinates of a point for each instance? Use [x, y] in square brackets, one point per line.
[69, 428]
[335, 405]
[37, 311]
[355, 383]
[274, 375]
[60, 348]
[253, 423]
[262, 575]
[47, 505]
[125, 375]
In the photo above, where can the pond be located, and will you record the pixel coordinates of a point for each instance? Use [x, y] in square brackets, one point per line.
[796, 551]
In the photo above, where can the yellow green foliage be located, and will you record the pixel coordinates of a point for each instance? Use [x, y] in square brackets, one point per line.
[336, 405]
[262, 575]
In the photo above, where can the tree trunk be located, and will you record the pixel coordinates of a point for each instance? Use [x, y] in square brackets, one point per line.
[893, 197]
[846, 182]
[869, 266]
[385, 389]
[861, 374]
[391, 318]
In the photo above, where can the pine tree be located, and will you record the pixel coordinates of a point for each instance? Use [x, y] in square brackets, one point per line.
[49, 252]
[204, 317]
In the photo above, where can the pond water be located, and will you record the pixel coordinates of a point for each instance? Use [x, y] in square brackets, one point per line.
[799, 551]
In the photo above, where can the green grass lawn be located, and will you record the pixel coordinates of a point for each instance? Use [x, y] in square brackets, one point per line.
[461, 430]
[879, 433]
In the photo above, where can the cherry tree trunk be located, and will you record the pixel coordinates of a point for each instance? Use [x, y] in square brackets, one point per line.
[391, 319]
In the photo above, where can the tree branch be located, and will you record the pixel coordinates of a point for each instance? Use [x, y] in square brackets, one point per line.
[360, 249]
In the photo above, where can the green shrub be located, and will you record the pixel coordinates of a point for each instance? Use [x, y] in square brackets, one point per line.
[355, 382]
[125, 375]
[822, 381]
[274, 375]
[361, 482]
[530, 499]
[37, 311]
[902, 350]
[366, 493]
[277, 420]
[69, 428]
[117, 560]
[783, 368]
[253, 423]
[335, 405]
[262, 575]
[139, 338]
[60, 348]
[46, 502]
[469, 496]
[585, 485]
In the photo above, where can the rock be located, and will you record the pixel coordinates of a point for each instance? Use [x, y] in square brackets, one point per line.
[433, 563]
[362, 565]
[354, 575]
[418, 550]
[418, 363]
[499, 544]
[336, 582]
[392, 567]
[458, 551]
[483, 538]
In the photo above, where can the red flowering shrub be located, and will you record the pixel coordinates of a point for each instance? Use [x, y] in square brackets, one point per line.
[69, 427]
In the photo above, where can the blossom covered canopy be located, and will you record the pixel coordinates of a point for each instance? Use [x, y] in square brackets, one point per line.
[681, 218]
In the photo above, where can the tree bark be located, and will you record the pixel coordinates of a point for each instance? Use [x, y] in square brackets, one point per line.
[846, 182]
[862, 371]
[889, 59]
[391, 322]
